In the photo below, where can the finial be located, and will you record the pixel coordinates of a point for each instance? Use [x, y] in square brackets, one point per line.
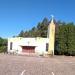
[52, 16]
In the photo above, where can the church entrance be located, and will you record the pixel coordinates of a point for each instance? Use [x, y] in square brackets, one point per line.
[28, 49]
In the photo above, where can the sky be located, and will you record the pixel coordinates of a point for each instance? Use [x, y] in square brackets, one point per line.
[17, 15]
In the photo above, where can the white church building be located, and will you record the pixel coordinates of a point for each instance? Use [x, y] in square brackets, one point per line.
[35, 45]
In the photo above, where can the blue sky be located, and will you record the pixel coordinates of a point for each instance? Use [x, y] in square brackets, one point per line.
[17, 15]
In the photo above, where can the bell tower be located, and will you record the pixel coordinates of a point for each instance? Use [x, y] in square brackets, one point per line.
[51, 36]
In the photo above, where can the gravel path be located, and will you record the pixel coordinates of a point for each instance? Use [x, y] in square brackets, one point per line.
[26, 65]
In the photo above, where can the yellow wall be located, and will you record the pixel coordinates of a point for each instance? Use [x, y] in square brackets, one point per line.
[51, 37]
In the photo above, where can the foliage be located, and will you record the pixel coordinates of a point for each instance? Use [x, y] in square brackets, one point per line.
[65, 41]
[3, 45]
[39, 31]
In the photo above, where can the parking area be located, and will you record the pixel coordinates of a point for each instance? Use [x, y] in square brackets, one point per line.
[35, 65]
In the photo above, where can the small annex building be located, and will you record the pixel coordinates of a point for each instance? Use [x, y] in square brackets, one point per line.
[36, 45]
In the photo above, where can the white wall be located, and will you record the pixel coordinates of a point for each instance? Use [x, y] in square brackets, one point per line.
[39, 43]
[15, 45]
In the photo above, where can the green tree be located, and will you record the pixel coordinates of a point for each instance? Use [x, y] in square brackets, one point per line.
[3, 45]
[21, 34]
[65, 41]
[39, 31]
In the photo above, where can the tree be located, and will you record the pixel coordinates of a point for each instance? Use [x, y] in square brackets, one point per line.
[3, 45]
[39, 31]
[21, 34]
[42, 27]
[65, 42]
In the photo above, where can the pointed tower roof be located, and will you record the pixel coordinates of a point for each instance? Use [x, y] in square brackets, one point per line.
[52, 20]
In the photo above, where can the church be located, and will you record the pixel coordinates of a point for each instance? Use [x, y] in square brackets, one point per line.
[35, 45]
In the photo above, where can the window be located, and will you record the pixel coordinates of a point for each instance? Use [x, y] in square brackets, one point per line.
[11, 45]
[46, 46]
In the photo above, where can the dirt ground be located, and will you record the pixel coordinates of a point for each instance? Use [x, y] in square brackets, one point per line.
[35, 65]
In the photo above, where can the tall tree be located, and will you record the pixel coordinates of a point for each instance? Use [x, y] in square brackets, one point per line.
[21, 34]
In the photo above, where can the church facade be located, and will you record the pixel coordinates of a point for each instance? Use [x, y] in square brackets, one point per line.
[35, 45]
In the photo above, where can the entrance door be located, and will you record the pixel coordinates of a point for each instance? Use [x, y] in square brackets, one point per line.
[28, 49]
